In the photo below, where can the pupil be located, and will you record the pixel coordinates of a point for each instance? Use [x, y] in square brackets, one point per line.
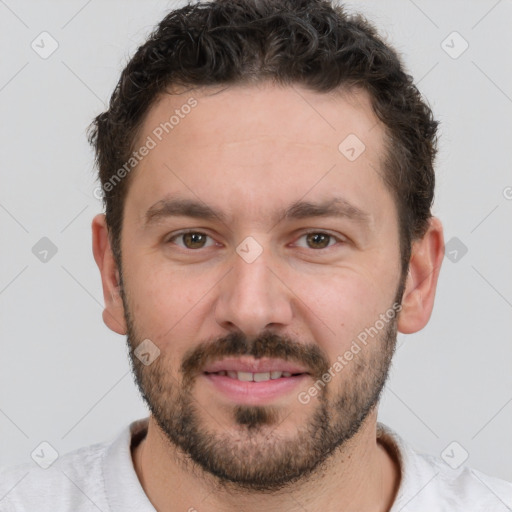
[320, 238]
[194, 239]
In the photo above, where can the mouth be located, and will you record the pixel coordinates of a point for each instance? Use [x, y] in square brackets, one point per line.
[254, 381]
[251, 369]
[255, 377]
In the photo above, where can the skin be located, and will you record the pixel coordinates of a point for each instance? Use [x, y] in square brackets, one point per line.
[249, 151]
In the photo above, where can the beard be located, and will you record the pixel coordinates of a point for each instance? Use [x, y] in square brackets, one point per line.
[247, 452]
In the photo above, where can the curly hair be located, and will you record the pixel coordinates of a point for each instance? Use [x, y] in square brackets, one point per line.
[313, 43]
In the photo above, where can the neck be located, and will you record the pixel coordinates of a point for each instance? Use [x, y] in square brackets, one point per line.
[360, 475]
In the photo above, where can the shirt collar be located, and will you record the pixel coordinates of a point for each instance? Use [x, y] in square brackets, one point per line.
[124, 491]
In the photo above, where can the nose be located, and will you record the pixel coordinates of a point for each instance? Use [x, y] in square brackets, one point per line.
[253, 297]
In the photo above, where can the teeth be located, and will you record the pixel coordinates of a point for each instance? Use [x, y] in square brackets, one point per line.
[259, 377]
[254, 377]
[245, 376]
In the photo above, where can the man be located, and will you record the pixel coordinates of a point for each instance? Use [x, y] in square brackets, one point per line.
[267, 171]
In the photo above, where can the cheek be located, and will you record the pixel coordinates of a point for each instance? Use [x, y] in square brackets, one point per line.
[169, 304]
[339, 307]
[345, 294]
[155, 304]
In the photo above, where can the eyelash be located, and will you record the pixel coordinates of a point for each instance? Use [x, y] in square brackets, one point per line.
[313, 232]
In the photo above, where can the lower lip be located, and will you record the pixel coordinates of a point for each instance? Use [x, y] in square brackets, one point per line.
[254, 393]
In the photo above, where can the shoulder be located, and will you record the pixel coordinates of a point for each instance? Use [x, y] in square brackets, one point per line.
[73, 482]
[464, 488]
[429, 483]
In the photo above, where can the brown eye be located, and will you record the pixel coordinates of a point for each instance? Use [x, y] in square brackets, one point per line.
[194, 240]
[318, 240]
[190, 240]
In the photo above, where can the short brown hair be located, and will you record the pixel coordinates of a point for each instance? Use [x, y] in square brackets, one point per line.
[312, 43]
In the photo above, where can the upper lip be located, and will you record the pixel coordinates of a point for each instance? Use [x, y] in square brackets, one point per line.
[262, 365]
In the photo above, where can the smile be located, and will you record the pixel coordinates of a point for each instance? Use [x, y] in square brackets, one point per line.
[253, 377]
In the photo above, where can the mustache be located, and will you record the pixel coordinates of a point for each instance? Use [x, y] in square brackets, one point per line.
[268, 344]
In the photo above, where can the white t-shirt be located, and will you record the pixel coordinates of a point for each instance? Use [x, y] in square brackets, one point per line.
[101, 477]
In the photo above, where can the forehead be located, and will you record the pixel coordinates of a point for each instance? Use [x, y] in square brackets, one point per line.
[246, 146]
[249, 112]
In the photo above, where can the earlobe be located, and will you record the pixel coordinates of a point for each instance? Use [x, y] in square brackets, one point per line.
[424, 267]
[113, 313]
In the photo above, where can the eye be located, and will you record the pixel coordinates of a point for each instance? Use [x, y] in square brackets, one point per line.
[191, 240]
[319, 240]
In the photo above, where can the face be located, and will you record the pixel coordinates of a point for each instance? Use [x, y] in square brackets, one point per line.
[254, 243]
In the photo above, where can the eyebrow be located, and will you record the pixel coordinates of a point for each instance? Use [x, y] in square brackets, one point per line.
[182, 207]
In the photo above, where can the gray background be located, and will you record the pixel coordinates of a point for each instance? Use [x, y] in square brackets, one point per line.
[64, 377]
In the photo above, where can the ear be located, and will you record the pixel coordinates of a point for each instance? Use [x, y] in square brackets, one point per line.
[420, 288]
[113, 314]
